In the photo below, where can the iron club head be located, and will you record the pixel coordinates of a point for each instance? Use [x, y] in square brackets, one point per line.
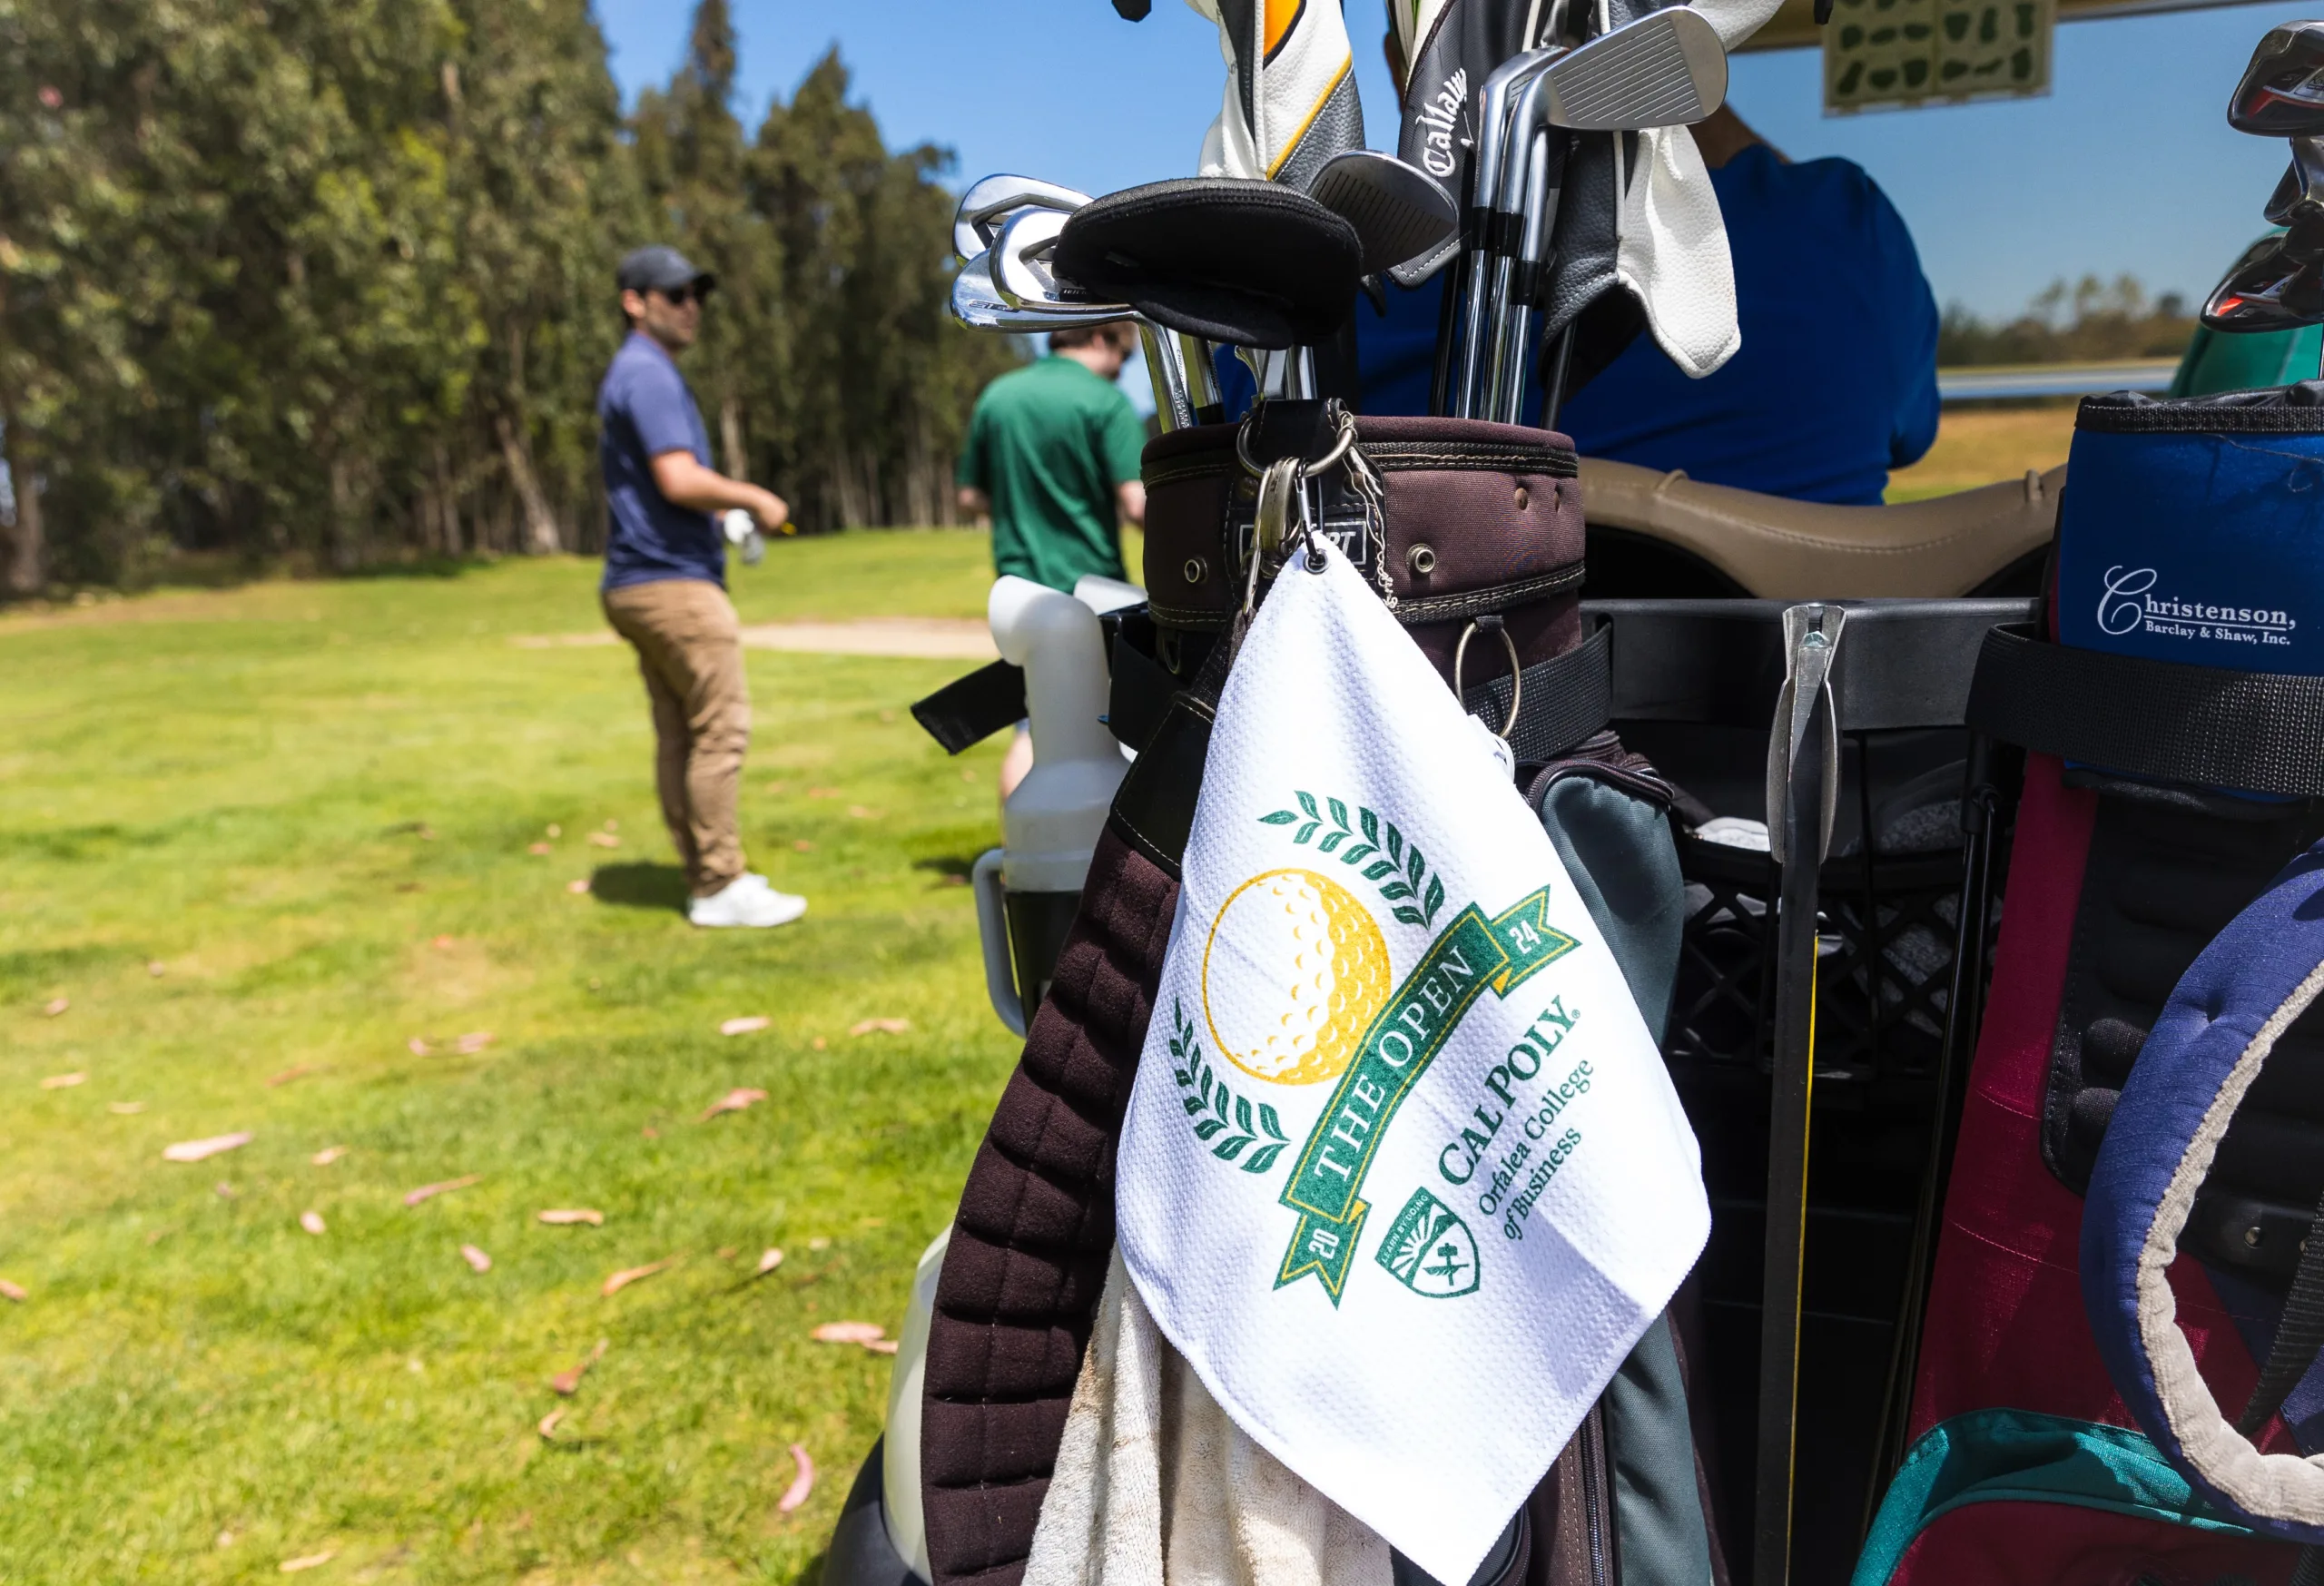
[988, 203]
[1666, 69]
[1399, 212]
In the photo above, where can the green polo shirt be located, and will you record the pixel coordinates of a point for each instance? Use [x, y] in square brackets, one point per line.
[1049, 444]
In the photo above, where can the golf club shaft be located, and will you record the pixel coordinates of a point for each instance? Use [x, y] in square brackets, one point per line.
[1514, 325]
[1166, 368]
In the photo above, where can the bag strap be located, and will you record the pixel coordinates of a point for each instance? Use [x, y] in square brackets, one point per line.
[2299, 1335]
[969, 710]
[2165, 721]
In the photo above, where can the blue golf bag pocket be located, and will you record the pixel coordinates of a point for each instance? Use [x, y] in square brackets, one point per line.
[2190, 530]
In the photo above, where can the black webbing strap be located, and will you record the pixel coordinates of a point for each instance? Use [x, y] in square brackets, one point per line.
[2309, 1569]
[2256, 732]
[972, 709]
[2299, 1335]
[1565, 699]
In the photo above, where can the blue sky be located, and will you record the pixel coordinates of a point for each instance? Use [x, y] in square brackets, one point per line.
[2128, 167]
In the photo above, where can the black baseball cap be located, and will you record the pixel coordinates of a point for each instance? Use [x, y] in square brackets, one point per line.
[663, 269]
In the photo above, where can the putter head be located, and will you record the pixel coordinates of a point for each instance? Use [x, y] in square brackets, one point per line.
[1399, 212]
[2278, 286]
[987, 205]
[977, 305]
[2298, 198]
[1666, 69]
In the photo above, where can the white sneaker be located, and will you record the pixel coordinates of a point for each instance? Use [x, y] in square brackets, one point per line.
[748, 900]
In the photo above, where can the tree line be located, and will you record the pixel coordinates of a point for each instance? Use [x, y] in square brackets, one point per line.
[330, 282]
[2088, 320]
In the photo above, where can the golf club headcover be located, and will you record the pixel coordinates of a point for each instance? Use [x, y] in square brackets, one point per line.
[2224, 1021]
[1291, 101]
[1250, 263]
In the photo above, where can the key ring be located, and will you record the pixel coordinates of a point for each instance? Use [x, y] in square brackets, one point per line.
[1307, 470]
[1516, 668]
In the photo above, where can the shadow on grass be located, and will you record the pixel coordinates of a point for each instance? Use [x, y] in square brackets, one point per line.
[640, 886]
[952, 870]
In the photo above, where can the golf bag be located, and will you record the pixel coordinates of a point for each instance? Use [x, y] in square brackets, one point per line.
[1473, 532]
[2170, 712]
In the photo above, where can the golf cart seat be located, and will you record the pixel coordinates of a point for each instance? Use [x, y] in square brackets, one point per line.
[1655, 534]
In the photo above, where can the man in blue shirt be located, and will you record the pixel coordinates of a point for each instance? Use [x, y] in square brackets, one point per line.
[664, 586]
[1834, 384]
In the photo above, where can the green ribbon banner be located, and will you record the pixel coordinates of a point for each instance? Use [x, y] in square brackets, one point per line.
[1473, 954]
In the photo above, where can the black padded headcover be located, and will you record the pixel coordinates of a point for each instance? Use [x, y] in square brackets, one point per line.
[1250, 263]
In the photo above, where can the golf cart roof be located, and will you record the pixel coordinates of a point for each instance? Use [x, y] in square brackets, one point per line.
[1793, 26]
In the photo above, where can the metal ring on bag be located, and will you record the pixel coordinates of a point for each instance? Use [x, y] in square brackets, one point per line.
[1516, 670]
[1306, 470]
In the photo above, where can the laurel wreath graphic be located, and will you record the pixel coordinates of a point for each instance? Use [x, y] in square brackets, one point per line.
[1396, 866]
[1225, 1121]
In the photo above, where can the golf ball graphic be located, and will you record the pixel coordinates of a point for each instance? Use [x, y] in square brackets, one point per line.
[1294, 970]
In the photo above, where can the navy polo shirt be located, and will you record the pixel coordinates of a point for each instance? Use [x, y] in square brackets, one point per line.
[644, 410]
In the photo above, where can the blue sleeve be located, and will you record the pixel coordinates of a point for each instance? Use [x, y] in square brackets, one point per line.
[659, 410]
[1912, 326]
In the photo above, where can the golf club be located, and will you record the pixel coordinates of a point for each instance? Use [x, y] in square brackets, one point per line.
[2281, 93]
[1492, 118]
[2298, 198]
[1399, 212]
[1669, 68]
[988, 203]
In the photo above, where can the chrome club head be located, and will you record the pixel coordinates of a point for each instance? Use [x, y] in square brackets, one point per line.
[1399, 212]
[2278, 286]
[988, 203]
[978, 306]
[1666, 69]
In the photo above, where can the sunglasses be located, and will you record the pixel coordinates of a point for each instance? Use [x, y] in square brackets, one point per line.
[683, 296]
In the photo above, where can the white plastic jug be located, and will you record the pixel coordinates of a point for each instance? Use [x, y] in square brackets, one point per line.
[1027, 891]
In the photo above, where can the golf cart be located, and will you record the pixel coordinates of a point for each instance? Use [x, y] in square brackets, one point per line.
[1831, 702]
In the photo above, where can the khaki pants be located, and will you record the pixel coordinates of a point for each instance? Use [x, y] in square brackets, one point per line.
[689, 651]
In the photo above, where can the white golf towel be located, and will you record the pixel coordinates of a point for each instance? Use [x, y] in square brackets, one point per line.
[1155, 1486]
[1403, 1176]
[1672, 250]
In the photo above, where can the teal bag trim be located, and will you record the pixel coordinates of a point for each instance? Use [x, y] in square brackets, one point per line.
[2021, 1456]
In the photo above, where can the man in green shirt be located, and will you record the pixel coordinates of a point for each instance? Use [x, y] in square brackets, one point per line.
[1052, 455]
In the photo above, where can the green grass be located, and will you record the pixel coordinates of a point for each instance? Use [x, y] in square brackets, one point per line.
[310, 804]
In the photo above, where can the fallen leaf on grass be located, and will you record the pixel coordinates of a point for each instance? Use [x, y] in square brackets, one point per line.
[156, 968]
[57, 1007]
[629, 1275]
[882, 1345]
[802, 845]
[126, 1109]
[554, 830]
[567, 1216]
[735, 1101]
[418, 1047]
[860, 814]
[224, 1190]
[298, 1071]
[474, 1041]
[604, 840]
[577, 887]
[11, 1292]
[849, 1332]
[540, 847]
[430, 1191]
[328, 1154]
[569, 1382]
[548, 1427]
[200, 1150]
[62, 1081]
[650, 1132]
[312, 1222]
[769, 1262]
[883, 1026]
[822, 792]
[475, 1258]
[745, 1025]
[311, 1562]
[444, 943]
[802, 1485]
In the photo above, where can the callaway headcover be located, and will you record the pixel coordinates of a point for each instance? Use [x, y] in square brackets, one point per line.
[2230, 1017]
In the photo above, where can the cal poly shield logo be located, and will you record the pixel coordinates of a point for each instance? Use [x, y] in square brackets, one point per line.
[1430, 1250]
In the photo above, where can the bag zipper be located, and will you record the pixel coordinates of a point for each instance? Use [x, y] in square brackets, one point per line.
[1593, 1523]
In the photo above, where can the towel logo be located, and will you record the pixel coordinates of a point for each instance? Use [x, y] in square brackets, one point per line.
[1430, 1250]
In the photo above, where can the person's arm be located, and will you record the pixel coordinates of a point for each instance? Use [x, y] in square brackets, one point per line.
[684, 482]
[1130, 500]
[1123, 443]
[974, 502]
